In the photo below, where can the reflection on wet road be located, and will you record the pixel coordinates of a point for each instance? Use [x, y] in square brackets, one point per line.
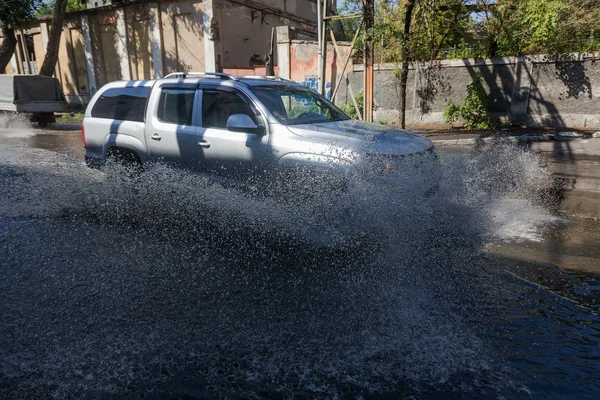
[164, 286]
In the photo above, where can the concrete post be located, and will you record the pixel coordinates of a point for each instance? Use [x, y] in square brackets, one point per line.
[89, 59]
[209, 43]
[13, 64]
[283, 34]
[44, 32]
[25, 62]
[156, 41]
[18, 58]
[122, 51]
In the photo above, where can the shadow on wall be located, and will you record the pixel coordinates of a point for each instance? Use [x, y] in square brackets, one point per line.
[514, 95]
[500, 81]
[514, 90]
[181, 29]
[432, 83]
[573, 73]
[184, 32]
[73, 76]
[428, 92]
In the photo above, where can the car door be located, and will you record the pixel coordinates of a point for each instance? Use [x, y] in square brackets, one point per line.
[224, 152]
[172, 130]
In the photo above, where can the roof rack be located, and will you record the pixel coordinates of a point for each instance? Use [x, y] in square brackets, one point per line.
[276, 78]
[225, 76]
[209, 74]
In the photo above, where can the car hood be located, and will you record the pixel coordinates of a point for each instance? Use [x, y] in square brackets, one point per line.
[364, 136]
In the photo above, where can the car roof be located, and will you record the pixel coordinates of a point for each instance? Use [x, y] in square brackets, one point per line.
[228, 80]
[210, 77]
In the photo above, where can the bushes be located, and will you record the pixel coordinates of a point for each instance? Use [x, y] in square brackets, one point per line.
[349, 109]
[474, 110]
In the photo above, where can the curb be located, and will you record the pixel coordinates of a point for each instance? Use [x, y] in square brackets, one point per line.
[488, 140]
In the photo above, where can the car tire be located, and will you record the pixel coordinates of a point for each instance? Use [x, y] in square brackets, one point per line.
[126, 158]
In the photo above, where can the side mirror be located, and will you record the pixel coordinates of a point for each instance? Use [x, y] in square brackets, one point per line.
[242, 123]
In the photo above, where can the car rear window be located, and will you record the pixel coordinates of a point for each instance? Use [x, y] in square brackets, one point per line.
[123, 104]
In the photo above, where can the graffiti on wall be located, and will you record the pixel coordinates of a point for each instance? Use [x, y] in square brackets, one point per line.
[312, 82]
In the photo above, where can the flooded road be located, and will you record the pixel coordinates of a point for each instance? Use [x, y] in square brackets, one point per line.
[166, 286]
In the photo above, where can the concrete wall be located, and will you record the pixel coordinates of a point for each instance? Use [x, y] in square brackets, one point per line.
[304, 64]
[298, 60]
[532, 90]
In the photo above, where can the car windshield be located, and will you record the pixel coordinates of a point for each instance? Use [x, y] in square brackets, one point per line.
[293, 105]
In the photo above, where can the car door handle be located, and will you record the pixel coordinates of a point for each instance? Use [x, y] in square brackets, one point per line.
[155, 136]
[204, 144]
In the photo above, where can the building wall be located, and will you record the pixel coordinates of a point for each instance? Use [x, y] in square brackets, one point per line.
[304, 63]
[79, 68]
[147, 40]
[532, 90]
[242, 29]
[183, 36]
[103, 37]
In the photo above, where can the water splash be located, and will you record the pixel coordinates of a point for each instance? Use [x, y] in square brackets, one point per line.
[173, 272]
[15, 126]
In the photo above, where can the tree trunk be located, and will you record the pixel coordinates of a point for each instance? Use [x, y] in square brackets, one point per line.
[7, 49]
[51, 57]
[410, 5]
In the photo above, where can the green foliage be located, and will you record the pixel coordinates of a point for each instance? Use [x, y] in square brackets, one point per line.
[349, 109]
[47, 7]
[16, 14]
[474, 110]
[462, 52]
[543, 18]
[515, 27]
[436, 25]
[439, 25]
[299, 109]
[75, 5]
[70, 118]
[447, 29]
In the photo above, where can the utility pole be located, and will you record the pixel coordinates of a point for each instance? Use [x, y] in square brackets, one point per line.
[323, 72]
[369, 18]
[319, 45]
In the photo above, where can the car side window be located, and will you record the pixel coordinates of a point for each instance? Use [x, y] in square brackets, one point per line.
[123, 104]
[219, 105]
[176, 106]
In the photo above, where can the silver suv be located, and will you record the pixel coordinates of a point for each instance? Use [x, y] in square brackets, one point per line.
[243, 129]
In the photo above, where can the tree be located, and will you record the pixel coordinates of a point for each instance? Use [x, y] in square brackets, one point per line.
[14, 14]
[438, 24]
[58, 17]
[420, 30]
[517, 27]
[46, 9]
[408, 12]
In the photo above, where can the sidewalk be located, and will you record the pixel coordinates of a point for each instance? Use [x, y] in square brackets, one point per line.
[444, 136]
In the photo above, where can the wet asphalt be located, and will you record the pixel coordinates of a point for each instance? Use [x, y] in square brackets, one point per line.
[156, 301]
